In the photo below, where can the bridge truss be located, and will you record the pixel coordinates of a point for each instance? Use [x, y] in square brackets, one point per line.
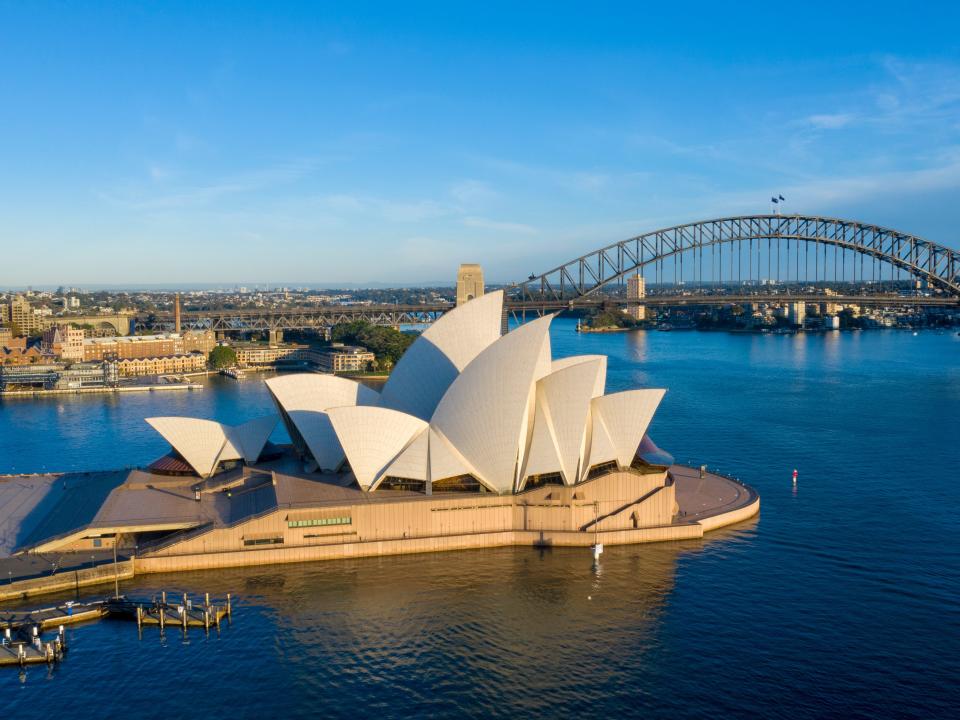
[860, 253]
[320, 318]
[727, 260]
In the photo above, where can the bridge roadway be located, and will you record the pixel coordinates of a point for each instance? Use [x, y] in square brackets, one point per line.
[327, 316]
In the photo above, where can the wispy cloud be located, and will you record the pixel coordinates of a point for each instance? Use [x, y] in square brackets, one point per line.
[831, 191]
[137, 197]
[472, 192]
[343, 202]
[830, 121]
[406, 212]
[500, 226]
[584, 181]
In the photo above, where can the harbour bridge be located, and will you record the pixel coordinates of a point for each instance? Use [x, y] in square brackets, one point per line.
[744, 259]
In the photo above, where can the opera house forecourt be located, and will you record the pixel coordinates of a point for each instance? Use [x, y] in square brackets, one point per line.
[477, 439]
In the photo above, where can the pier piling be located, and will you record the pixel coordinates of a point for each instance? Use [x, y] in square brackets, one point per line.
[22, 642]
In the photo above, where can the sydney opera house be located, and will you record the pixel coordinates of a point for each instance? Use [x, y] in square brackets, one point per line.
[477, 439]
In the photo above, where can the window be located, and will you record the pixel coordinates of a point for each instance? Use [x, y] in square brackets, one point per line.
[460, 483]
[320, 522]
[534, 481]
[399, 483]
[263, 541]
[602, 469]
[646, 468]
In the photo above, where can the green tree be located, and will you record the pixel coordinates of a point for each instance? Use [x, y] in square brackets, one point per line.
[222, 356]
[611, 318]
[386, 343]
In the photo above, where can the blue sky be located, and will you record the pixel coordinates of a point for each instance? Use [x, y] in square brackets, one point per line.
[310, 142]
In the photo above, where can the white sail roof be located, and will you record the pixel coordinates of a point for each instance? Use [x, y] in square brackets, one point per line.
[434, 360]
[250, 437]
[619, 423]
[447, 462]
[543, 455]
[304, 399]
[372, 438]
[601, 383]
[602, 448]
[206, 443]
[484, 413]
[413, 463]
[560, 423]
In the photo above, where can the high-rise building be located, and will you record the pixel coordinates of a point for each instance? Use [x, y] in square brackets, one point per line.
[798, 313]
[636, 290]
[469, 282]
[22, 315]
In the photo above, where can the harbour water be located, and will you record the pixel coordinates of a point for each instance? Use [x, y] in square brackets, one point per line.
[841, 600]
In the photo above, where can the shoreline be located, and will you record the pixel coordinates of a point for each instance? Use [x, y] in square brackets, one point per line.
[159, 387]
[673, 505]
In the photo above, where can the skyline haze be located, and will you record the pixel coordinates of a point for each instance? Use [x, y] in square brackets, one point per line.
[194, 145]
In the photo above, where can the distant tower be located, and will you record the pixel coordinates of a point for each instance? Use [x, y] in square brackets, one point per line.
[469, 282]
[176, 313]
[636, 290]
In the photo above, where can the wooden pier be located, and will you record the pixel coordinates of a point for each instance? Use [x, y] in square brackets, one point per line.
[26, 646]
[182, 611]
[67, 614]
[21, 632]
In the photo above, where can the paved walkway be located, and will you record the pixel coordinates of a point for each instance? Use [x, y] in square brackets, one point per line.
[707, 496]
[25, 567]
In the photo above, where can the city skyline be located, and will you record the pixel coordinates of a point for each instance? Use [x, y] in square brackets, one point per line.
[286, 147]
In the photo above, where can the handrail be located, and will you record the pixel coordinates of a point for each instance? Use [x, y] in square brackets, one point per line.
[646, 496]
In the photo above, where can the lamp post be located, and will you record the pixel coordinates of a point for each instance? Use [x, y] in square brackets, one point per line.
[116, 577]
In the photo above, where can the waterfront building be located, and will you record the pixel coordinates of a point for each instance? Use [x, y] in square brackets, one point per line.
[148, 346]
[85, 375]
[265, 355]
[343, 359]
[636, 290]
[162, 365]
[55, 376]
[64, 342]
[6, 335]
[477, 439]
[469, 283]
[21, 376]
[797, 313]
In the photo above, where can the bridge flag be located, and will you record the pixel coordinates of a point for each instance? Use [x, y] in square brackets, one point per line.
[782, 198]
[774, 201]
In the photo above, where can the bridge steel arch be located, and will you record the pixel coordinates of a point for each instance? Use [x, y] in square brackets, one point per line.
[938, 265]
